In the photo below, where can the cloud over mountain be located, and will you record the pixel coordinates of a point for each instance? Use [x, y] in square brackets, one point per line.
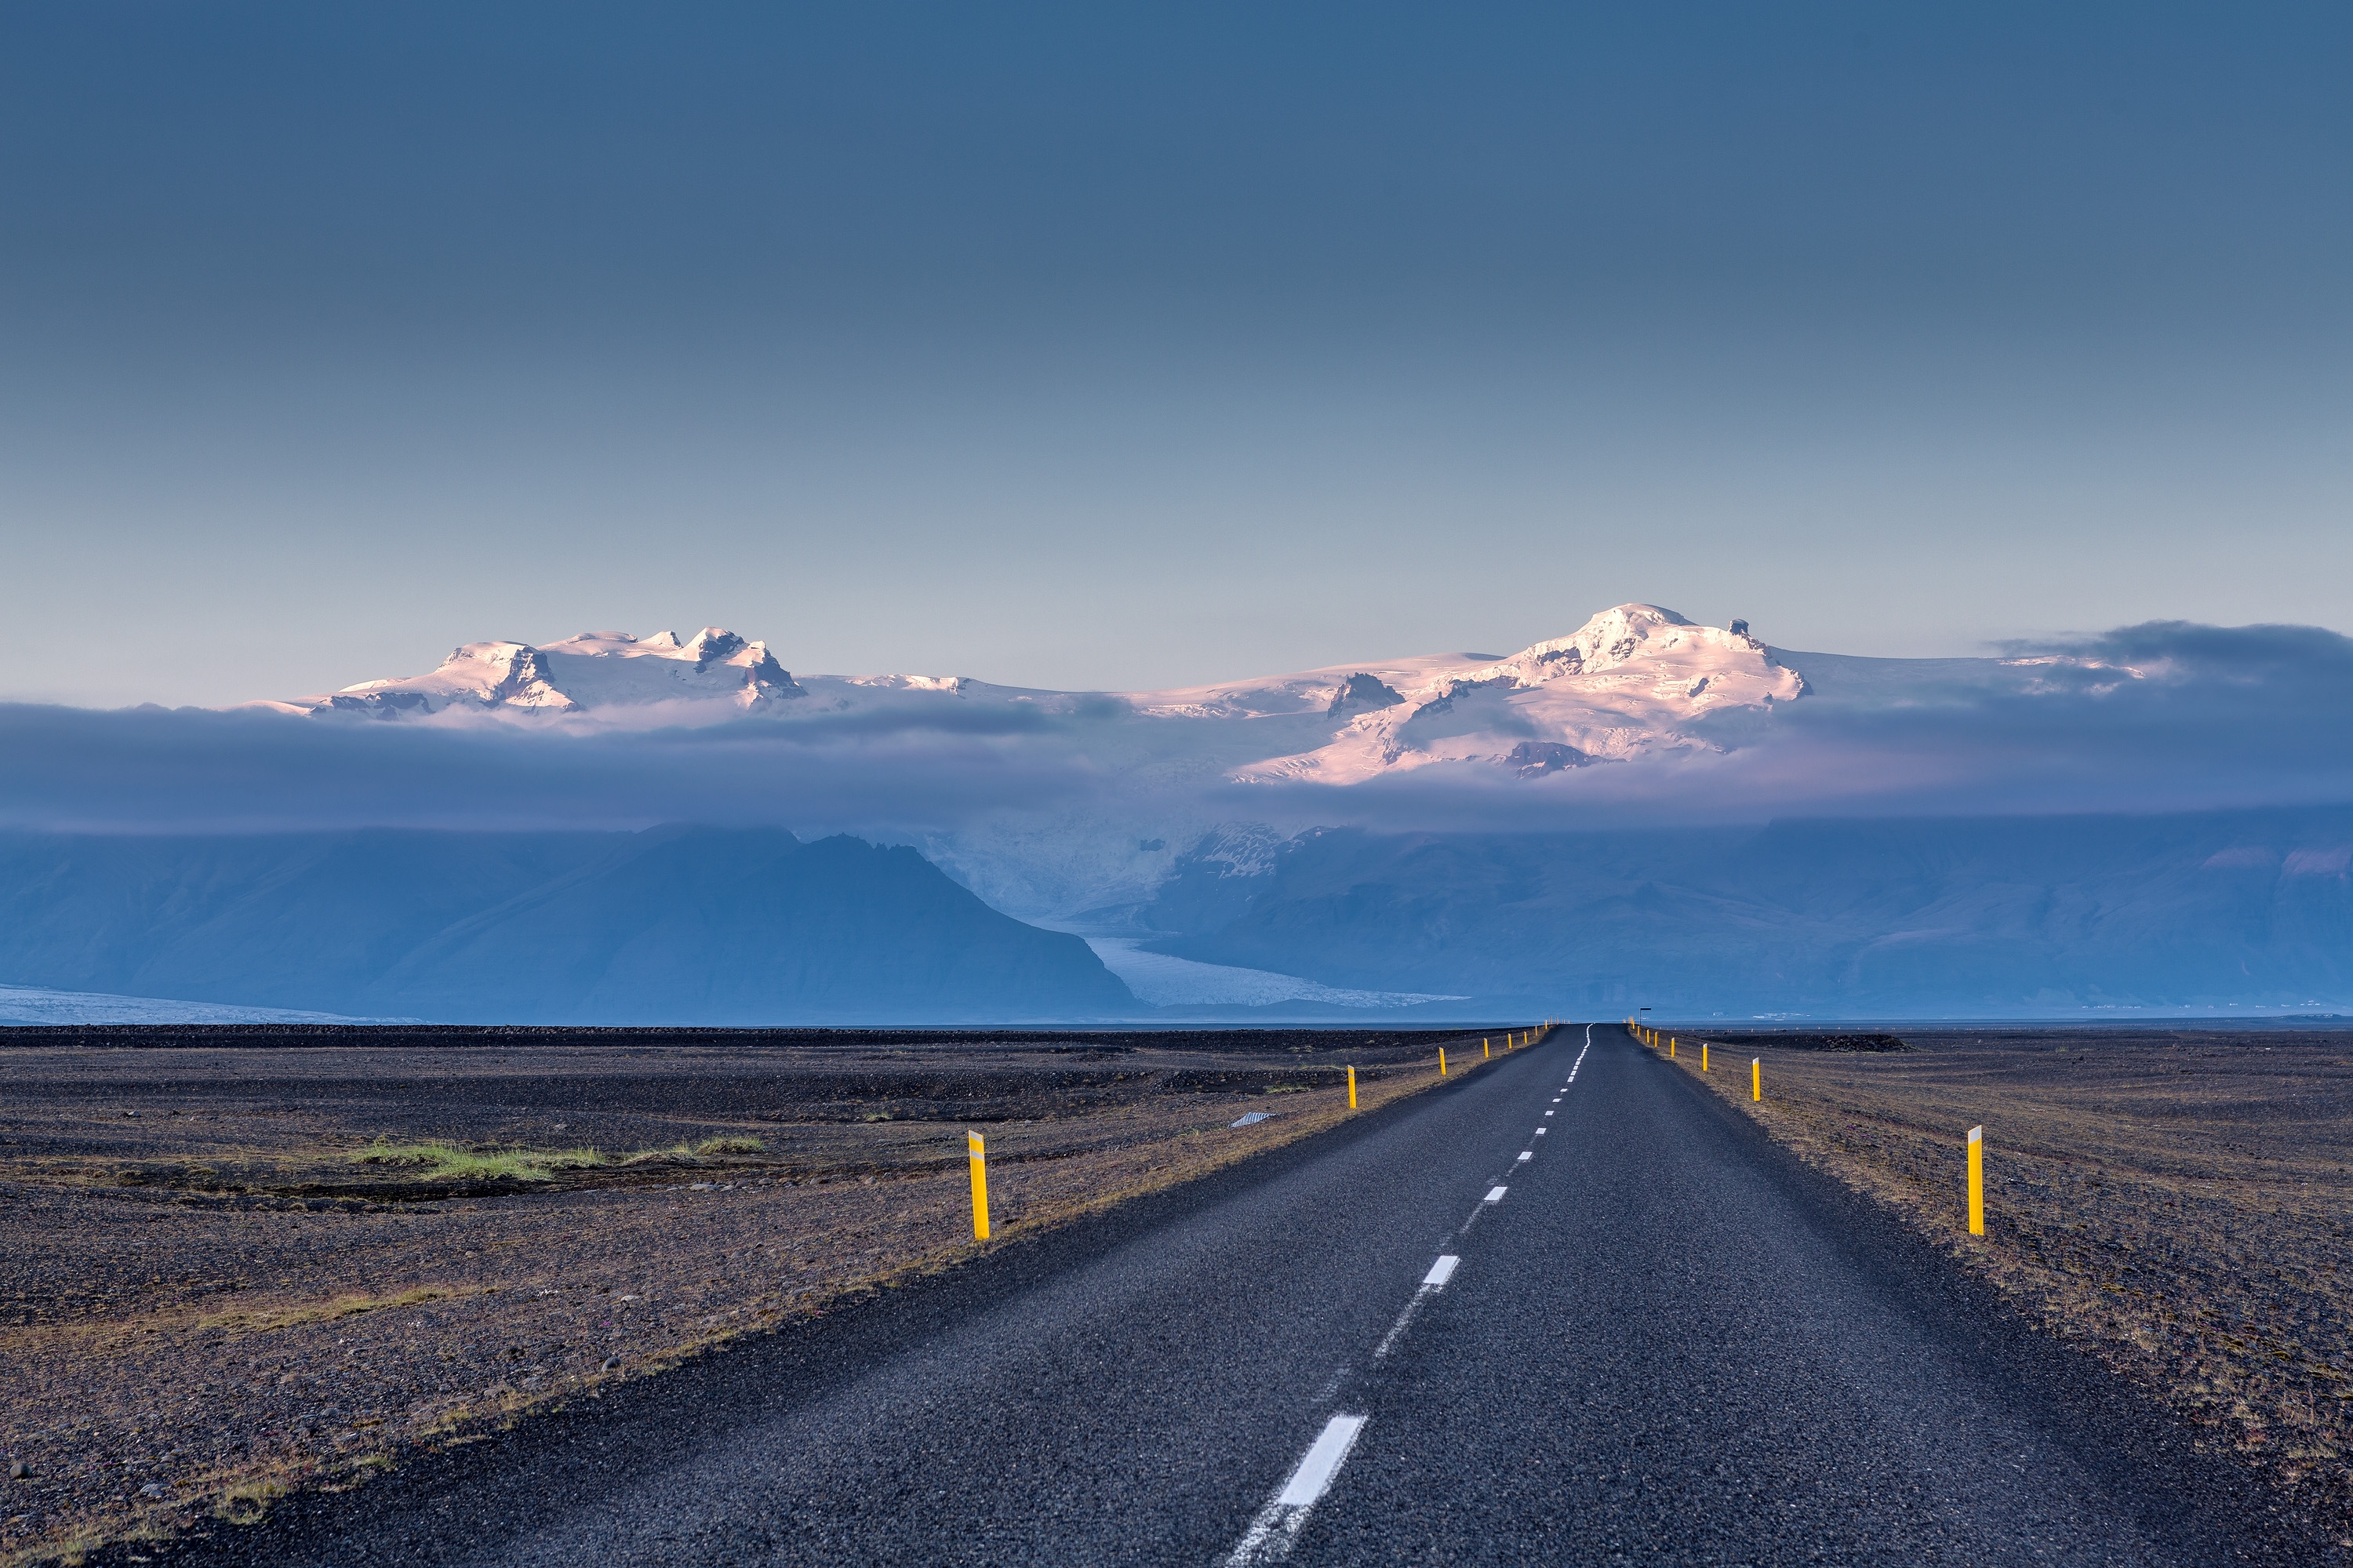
[1040, 799]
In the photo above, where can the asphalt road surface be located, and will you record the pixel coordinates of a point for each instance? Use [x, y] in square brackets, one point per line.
[1551, 1313]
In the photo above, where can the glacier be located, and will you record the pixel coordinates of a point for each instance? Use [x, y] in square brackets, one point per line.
[1162, 979]
[37, 1005]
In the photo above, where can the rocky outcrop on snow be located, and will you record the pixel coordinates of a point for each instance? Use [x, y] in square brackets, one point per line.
[1360, 693]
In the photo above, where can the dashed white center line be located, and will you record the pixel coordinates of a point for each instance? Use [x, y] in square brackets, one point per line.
[1323, 1461]
[1276, 1528]
[1272, 1533]
[1431, 1284]
[1573, 1066]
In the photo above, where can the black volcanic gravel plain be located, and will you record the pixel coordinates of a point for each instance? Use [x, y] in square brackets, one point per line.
[229, 1275]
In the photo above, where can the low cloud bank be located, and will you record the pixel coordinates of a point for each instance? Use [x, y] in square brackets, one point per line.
[200, 770]
[2163, 716]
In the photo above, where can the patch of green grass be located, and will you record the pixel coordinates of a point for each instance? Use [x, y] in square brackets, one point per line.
[249, 1502]
[448, 1161]
[437, 1162]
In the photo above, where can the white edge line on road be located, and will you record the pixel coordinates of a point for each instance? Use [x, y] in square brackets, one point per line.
[1541, 1131]
[1495, 1194]
[1272, 1533]
[1442, 1271]
[1528, 1154]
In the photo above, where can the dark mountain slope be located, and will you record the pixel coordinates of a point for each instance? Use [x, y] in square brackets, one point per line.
[676, 925]
[1994, 914]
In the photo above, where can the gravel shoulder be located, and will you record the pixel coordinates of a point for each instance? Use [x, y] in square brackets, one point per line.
[2177, 1204]
[212, 1296]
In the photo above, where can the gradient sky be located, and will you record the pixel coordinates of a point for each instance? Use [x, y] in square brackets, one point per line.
[1116, 347]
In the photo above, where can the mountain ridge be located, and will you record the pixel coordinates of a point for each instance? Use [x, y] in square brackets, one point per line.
[672, 925]
[1635, 681]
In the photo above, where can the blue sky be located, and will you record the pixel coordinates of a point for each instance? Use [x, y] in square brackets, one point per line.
[1123, 346]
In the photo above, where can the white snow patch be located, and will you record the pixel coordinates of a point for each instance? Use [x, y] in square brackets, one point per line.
[1160, 981]
[34, 1004]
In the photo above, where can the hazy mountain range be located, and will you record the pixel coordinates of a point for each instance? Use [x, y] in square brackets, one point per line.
[674, 926]
[1985, 916]
[2152, 817]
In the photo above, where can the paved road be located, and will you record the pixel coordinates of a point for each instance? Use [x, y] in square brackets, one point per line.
[1661, 1340]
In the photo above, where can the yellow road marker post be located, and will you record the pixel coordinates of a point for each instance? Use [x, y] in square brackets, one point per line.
[1756, 1077]
[1352, 1088]
[1487, 1055]
[1702, 1056]
[978, 1153]
[1671, 1047]
[1977, 1181]
[1442, 1061]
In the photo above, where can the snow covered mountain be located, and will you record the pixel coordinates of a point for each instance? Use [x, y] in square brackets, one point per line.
[714, 674]
[1645, 807]
[1633, 679]
[1118, 789]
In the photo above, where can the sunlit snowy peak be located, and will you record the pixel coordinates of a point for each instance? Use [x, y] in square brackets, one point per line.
[595, 670]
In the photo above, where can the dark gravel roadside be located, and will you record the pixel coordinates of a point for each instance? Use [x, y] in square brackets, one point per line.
[1675, 1342]
[211, 1292]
